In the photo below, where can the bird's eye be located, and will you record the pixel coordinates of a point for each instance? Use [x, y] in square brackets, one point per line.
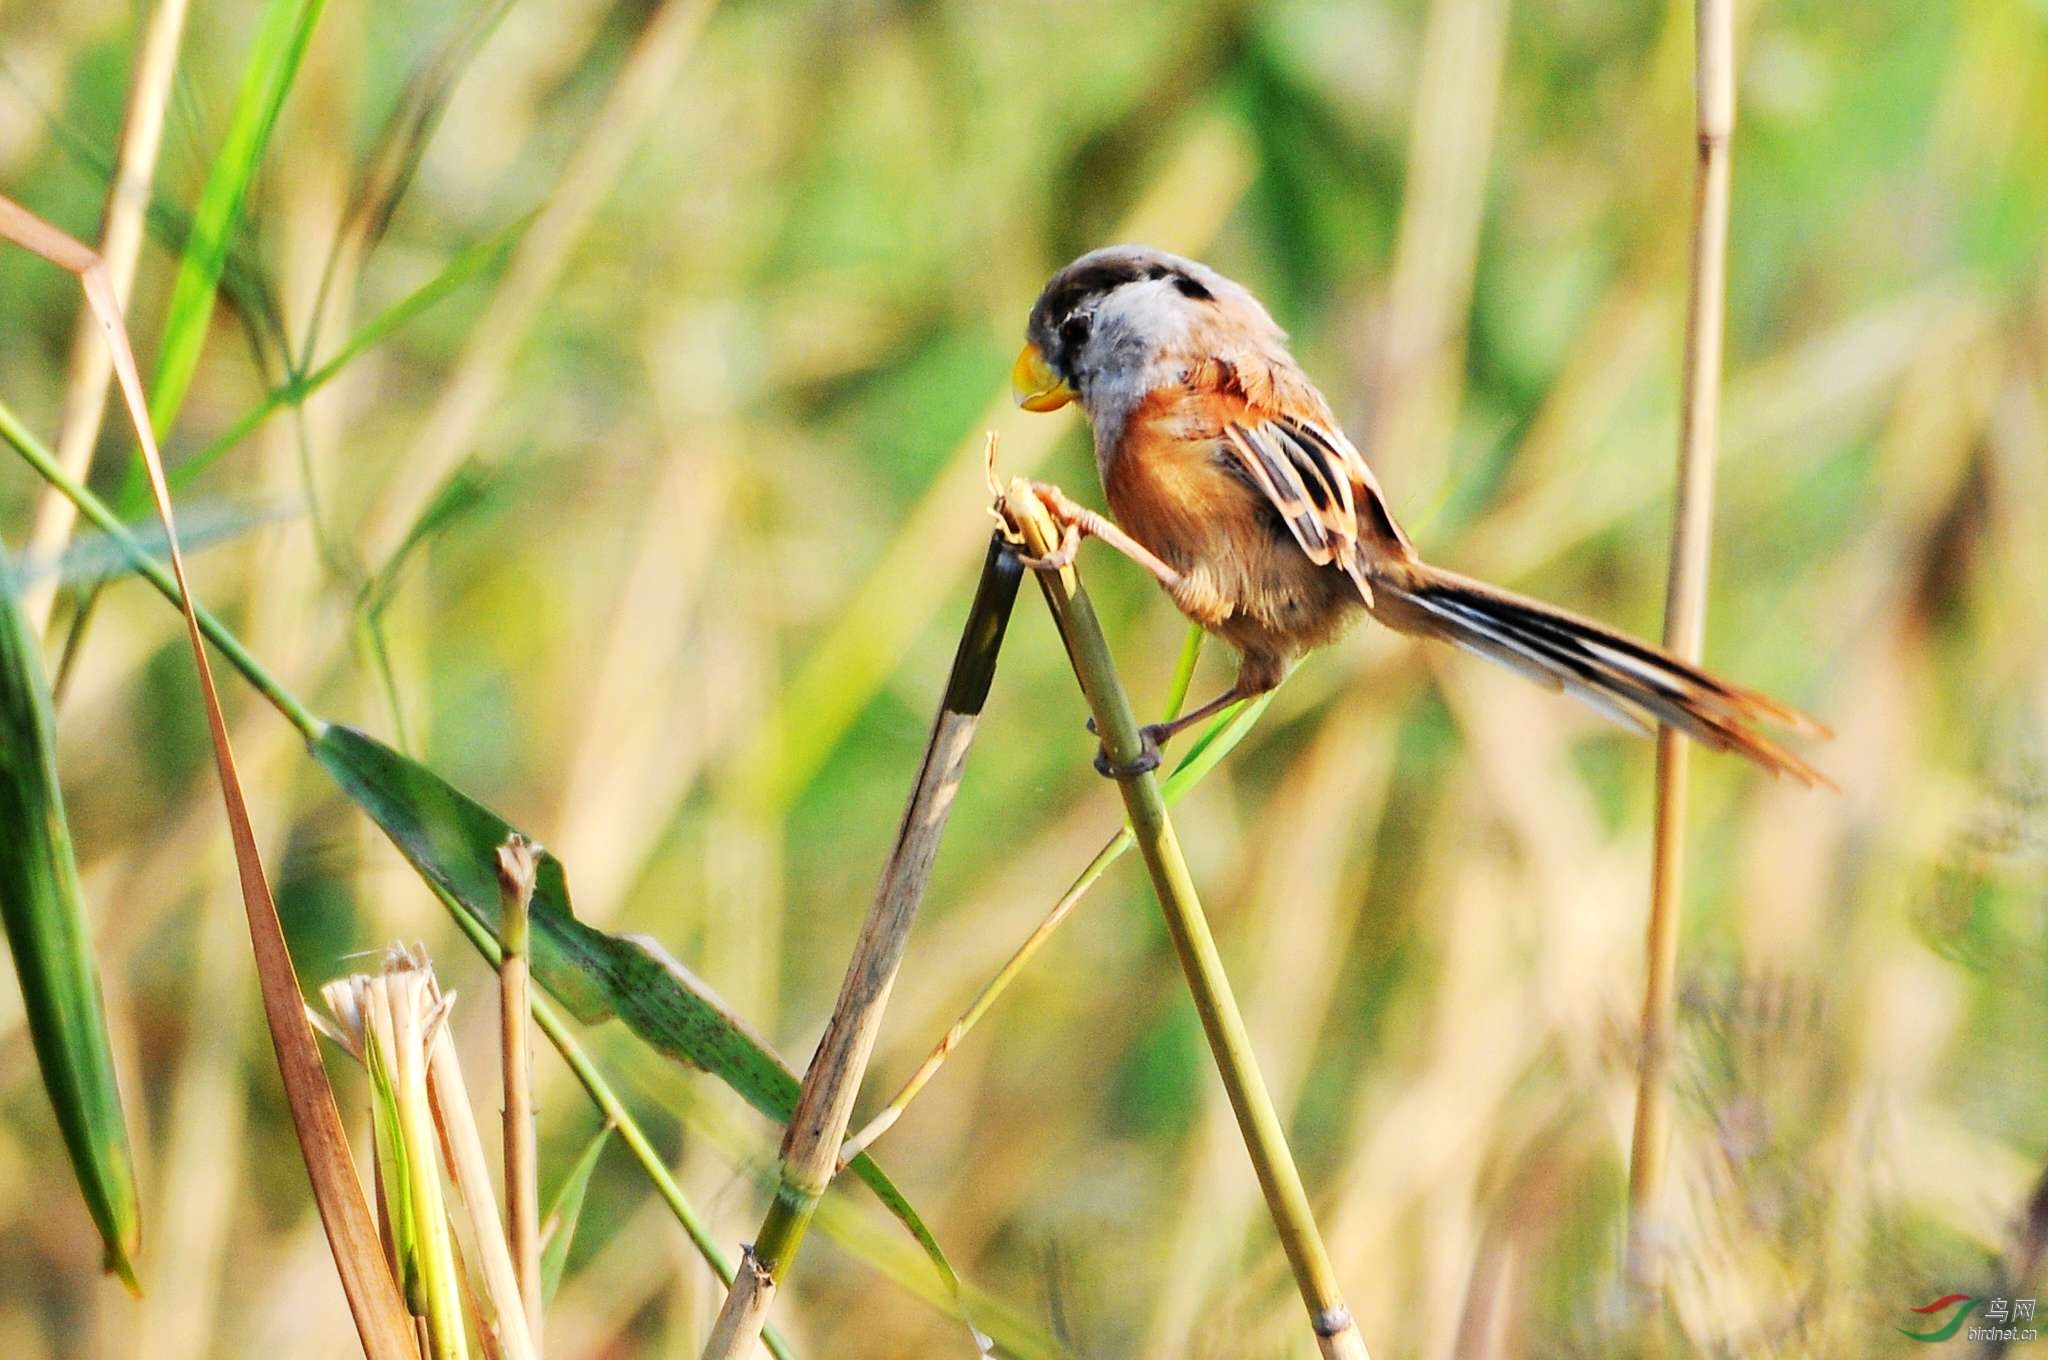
[1074, 330]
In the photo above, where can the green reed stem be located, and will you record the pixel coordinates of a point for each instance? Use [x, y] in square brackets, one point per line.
[1337, 1334]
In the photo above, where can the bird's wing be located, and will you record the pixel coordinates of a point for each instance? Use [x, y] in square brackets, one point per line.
[1287, 445]
[1309, 489]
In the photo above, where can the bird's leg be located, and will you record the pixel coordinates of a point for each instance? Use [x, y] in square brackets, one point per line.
[1152, 737]
[1077, 522]
[1167, 731]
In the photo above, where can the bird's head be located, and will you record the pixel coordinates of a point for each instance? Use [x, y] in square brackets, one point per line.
[1122, 320]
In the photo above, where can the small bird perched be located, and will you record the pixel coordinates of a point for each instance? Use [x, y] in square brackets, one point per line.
[1232, 484]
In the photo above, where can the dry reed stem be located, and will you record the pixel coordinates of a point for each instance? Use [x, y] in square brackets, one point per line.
[810, 1145]
[122, 229]
[1337, 1336]
[516, 869]
[1684, 624]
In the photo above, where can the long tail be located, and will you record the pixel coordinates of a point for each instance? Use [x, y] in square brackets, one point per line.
[1630, 682]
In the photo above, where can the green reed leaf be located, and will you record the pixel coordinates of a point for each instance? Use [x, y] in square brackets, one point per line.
[43, 913]
[280, 44]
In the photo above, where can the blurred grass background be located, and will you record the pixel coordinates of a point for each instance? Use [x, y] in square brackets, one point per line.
[713, 423]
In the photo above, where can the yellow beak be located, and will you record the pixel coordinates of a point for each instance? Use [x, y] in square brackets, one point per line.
[1035, 385]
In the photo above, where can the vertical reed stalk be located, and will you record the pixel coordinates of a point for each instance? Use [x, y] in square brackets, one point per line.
[1684, 622]
[810, 1147]
[1337, 1335]
[516, 868]
[885, 1118]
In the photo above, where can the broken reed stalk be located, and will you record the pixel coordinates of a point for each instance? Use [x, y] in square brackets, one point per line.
[810, 1146]
[886, 1117]
[516, 868]
[391, 1018]
[1337, 1335]
[1684, 622]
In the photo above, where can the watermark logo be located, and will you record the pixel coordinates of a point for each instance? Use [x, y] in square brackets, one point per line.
[2002, 1319]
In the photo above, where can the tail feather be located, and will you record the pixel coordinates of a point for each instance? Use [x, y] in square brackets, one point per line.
[1626, 681]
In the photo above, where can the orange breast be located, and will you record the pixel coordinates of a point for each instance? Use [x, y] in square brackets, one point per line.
[1246, 577]
[1167, 488]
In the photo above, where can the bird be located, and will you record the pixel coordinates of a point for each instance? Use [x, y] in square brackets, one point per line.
[1230, 480]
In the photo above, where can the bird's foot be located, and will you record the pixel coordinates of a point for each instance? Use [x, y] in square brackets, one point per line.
[1060, 558]
[1149, 755]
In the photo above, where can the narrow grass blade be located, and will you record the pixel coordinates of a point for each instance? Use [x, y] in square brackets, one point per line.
[273, 64]
[472, 261]
[43, 912]
[452, 841]
[558, 1228]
